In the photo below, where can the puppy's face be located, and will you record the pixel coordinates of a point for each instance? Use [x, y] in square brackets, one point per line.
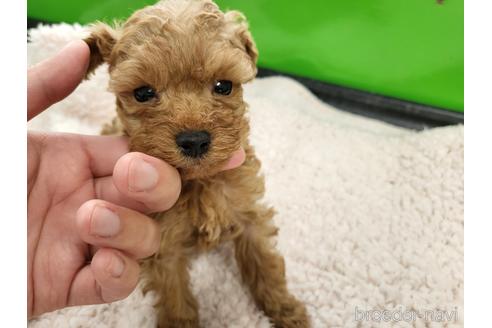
[176, 69]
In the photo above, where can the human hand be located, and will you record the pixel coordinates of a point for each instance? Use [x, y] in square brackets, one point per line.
[87, 199]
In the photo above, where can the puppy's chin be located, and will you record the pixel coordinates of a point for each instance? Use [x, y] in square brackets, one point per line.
[200, 169]
[195, 173]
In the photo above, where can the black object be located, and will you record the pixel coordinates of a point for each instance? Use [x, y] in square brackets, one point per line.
[398, 112]
[193, 143]
[223, 87]
[33, 22]
[144, 93]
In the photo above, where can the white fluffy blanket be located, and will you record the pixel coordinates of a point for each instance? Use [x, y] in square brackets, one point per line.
[370, 215]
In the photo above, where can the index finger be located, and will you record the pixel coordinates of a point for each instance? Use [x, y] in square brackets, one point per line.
[103, 152]
[55, 78]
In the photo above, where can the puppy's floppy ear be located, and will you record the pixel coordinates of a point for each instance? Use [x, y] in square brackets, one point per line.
[101, 41]
[241, 37]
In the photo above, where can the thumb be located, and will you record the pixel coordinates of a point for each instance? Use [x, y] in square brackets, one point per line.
[55, 78]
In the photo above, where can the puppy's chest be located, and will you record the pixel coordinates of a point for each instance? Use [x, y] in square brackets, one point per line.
[208, 210]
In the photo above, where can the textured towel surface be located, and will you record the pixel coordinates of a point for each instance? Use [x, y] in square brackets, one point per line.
[370, 215]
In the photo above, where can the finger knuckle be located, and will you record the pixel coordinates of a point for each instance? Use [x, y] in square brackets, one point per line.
[152, 240]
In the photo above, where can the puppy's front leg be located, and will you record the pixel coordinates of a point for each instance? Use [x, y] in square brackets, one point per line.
[263, 269]
[168, 277]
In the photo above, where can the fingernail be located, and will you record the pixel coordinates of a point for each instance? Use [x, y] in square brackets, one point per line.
[104, 222]
[117, 266]
[68, 45]
[142, 176]
[71, 44]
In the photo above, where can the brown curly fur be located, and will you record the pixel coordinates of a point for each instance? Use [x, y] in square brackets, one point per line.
[180, 48]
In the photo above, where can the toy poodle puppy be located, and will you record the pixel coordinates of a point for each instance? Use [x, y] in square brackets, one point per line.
[176, 69]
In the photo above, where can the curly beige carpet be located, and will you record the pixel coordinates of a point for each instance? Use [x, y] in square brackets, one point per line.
[370, 215]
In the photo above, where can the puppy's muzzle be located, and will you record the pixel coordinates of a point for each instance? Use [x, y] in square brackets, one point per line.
[193, 143]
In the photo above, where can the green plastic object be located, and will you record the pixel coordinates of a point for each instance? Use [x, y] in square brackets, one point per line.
[407, 49]
[83, 11]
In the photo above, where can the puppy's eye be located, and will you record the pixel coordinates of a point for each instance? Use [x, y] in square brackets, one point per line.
[144, 93]
[223, 87]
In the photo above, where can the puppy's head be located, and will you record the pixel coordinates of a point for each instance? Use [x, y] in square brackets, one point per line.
[176, 69]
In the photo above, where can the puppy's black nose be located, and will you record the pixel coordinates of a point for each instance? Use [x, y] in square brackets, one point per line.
[193, 143]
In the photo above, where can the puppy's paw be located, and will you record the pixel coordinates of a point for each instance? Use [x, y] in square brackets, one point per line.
[292, 314]
[179, 323]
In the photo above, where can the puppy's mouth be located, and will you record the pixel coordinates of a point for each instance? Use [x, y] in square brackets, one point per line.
[205, 167]
[195, 153]
[201, 169]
